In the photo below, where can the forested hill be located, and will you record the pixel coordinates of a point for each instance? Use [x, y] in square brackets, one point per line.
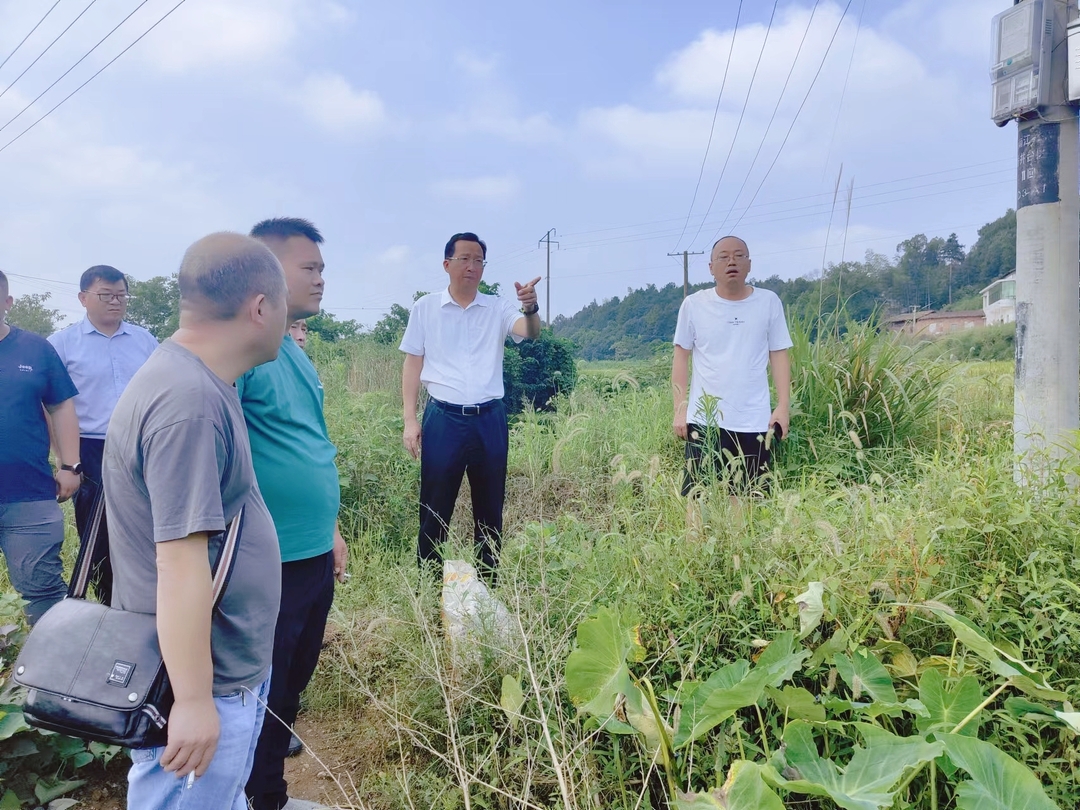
[935, 273]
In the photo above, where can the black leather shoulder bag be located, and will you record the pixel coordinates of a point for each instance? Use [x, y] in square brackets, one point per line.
[96, 672]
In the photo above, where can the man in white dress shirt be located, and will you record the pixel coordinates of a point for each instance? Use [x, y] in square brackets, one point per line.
[101, 352]
[454, 346]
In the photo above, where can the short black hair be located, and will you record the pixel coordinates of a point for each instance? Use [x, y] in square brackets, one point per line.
[3, 285]
[285, 227]
[451, 246]
[110, 275]
[729, 236]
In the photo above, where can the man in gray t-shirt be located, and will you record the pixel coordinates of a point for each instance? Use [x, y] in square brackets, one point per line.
[177, 468]
[189, 451]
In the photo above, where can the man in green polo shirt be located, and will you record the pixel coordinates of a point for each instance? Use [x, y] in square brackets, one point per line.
[294, 464]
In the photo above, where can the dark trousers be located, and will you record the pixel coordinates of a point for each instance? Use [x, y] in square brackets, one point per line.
[463, 440]
[90, 453]
[307, 590]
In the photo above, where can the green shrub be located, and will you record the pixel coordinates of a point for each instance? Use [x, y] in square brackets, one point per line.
[536, 371]
[990, 343]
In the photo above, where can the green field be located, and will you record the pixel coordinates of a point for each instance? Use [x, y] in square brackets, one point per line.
[700, 650]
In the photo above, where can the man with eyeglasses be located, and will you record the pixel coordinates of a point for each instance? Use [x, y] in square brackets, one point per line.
[735, 334]
[101, 352]
[453, 345]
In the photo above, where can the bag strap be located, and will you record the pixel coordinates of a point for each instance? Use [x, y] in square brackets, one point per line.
[223, 565]
[221, 570]
[80, 577]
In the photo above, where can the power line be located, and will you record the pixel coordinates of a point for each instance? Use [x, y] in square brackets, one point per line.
[795, 119]
[738, 126]
[804, 197]
[79, 62]
[843, 92]
[772, 118]
[94, 76]
[32, 30]
[773, 215]
[47, 47]
[716, 111]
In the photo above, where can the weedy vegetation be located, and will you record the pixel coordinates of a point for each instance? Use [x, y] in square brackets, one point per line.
[895, 626]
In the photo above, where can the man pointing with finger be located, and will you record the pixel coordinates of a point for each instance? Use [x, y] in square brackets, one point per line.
[454, 346]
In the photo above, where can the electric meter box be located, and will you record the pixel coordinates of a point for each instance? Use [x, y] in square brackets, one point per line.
[1020, 59]
[1074, 60]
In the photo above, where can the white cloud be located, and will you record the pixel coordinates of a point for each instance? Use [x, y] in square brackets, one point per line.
[395, 254]
[478, 189]
[205, 35]
[338, 108]
[887, 91]
[475, 66]
[533, 129]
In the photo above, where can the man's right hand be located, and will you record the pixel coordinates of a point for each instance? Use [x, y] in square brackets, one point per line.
[411, 437]
[194, 729]
[679, 425]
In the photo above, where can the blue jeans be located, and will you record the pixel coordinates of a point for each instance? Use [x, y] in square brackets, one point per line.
[151, 787]
[31, 535]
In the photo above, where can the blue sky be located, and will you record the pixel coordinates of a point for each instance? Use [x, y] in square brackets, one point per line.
[393, 125]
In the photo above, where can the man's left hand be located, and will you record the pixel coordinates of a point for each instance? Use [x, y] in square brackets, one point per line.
[780, 416]
[67, 484]
[341, 557]
[526, 294]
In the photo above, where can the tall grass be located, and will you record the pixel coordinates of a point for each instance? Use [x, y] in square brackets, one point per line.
[929, 510]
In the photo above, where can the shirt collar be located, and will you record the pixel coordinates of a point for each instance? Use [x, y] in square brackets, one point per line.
[88, 327]
[481, 300]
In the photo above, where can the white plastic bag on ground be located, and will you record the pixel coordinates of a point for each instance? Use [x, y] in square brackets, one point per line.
[472, 615]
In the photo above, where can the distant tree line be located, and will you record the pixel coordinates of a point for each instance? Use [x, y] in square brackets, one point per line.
[927, 273]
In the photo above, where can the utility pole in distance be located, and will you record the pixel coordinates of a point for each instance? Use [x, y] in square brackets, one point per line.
[1031, 85]
[686, 254]
[547, 238]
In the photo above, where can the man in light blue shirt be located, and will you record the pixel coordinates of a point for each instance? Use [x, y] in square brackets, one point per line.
[101, 352]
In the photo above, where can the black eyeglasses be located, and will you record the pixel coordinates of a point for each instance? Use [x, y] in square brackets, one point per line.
[106, 298]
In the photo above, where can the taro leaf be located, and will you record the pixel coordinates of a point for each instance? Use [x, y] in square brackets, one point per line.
[511, 699]
[596, 672]
[724, 693]
[1071, 719]
[640, 715]
[733, 687]
[797, 703]
[48, 789]
[837, 643]
[9, 801]
[11, 722]
[870, 779]
[998, 782]
[864, 673]
[947, 707]
[811, 608]
[1002, 662]
[744, 790]
[62, 804]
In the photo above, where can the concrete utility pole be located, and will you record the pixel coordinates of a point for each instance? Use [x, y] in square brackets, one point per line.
[547, 238]
[686, 254]
[1046, 405]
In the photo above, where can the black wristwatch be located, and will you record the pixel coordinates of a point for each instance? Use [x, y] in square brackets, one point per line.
[73, 468]
[530, 312]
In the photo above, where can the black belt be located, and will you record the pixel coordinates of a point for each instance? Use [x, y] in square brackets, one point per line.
[465, 410]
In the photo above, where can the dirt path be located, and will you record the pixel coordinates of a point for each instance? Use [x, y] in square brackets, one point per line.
[106, 788]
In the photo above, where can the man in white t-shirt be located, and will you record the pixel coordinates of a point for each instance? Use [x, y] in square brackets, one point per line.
[736, 334]
[453, 346]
